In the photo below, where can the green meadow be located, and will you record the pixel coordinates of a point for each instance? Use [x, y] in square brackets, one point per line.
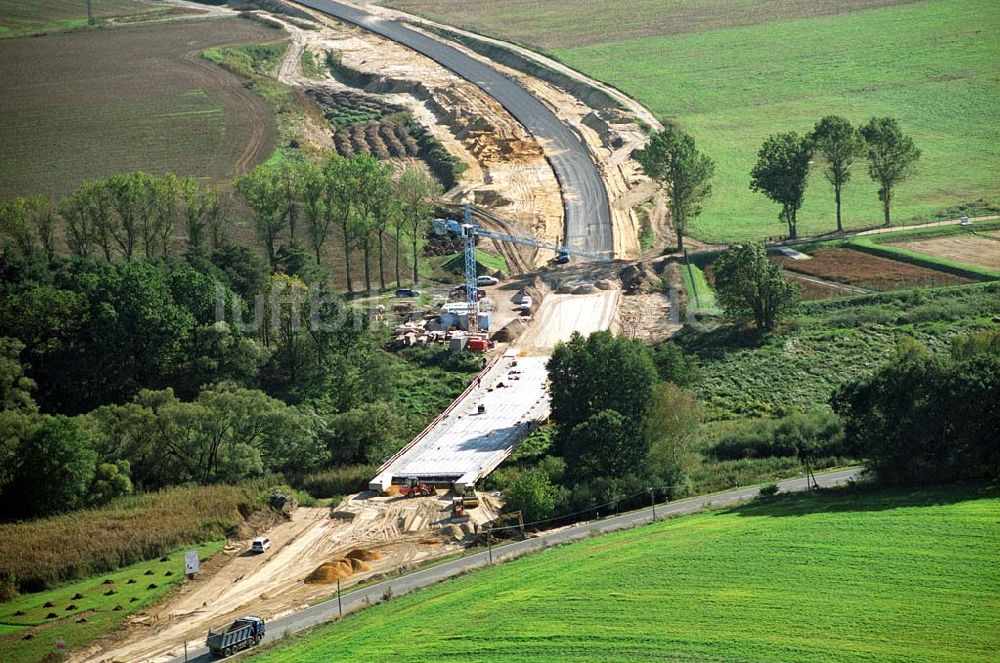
[77, 612]
[934, 65]
[843, 575]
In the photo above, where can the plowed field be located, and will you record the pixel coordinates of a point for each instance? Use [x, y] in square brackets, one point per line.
[868, 271]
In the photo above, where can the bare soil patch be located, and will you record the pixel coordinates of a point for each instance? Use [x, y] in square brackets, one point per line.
[978, 250]
[80, 106]
[867, 271]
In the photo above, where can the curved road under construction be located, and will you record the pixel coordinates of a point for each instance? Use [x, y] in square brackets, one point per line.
[585, 200]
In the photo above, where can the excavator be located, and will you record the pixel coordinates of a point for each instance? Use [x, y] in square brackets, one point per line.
[414, 487]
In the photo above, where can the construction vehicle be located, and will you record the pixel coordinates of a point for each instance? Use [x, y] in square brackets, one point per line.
[414, 487]
[242, 634]
[457, 508]
[469, 498]
[469, 231]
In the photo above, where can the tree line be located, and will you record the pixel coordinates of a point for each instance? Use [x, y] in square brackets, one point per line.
[783, 165]
[136, 215]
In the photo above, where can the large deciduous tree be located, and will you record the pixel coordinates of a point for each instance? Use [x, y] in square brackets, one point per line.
[671, 158]
[600, 372]
[892, 158]
[781, 172]
[263, 192]
[416, 192]
[839, 144]
[751, 287]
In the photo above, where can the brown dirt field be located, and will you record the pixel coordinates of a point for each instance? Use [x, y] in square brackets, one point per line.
[562, 23]
[83, 105]
[867, 271]
[969, 249]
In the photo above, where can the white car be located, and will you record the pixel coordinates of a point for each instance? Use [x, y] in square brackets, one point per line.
[260, 544]
[487, 280]
[526, 302]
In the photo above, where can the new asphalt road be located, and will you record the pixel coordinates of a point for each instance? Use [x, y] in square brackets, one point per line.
[324, 612]
[585, 200]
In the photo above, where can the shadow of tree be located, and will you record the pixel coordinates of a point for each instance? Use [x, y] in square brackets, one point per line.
[863, 497]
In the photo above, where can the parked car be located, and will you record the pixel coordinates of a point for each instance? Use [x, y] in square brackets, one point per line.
[260, 544]
[407, 292]
[525, 304]
[487, 280]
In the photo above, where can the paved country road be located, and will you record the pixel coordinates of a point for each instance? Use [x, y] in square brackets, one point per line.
[585, 200]
[324, 612]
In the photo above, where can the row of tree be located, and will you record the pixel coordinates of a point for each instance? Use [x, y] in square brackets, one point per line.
[355, 197]
[784, 161]
[124, 216]
[137, 215]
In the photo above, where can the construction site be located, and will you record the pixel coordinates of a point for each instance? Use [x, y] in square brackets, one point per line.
[425, 501]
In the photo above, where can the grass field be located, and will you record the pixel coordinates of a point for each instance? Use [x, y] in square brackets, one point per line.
[28, 17]
[88, 608]
[828, 343]
[732, 76]
[83, 105]
[844, 575]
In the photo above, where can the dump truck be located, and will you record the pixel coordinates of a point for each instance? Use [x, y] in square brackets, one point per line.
[242, 634]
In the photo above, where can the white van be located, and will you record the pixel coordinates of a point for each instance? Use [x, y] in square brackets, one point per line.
[260, 544]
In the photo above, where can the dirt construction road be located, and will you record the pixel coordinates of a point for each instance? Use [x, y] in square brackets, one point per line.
[402, 531]
[585, 199]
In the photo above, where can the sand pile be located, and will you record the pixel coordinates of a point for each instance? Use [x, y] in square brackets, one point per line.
[331, 571]
[391, 491]
[362, 554]
[341, 568]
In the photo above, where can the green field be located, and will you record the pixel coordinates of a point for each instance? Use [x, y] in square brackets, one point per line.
[840, 576]
[33, 634]
[828, 343]
[731, 77]
[29, 17]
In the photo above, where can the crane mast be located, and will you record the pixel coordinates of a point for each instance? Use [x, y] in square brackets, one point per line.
[469, 231]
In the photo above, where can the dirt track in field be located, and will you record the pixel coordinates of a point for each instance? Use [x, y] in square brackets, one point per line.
[83, 105]
[978, 250]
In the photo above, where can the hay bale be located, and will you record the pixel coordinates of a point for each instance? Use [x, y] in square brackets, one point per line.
[151, 585]
[131, 581]
[71, 606]
[148, 572]
[51, 615]
[366, 555]
[77, 596]
[48, 604]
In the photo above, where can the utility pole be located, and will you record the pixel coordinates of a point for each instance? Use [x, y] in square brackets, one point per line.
[652, 501]
[340, 606]
[90, 12]
[489, 542]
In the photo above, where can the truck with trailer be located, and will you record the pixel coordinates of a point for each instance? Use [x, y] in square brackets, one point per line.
[242, 634]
